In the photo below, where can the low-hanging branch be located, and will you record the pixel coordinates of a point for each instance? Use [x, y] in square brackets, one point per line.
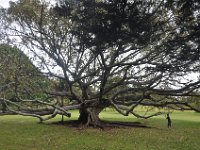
[119, 54]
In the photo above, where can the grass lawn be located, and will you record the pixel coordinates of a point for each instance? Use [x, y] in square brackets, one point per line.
[24, 133]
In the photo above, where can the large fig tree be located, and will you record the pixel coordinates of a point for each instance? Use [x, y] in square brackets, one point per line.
[112, 53]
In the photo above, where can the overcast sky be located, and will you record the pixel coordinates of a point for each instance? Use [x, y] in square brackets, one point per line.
[5, 3]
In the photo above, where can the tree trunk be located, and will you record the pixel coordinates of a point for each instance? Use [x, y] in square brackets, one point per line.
[90, 116]
[89, 113]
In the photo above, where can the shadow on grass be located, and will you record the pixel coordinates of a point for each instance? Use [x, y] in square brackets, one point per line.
[104, 124]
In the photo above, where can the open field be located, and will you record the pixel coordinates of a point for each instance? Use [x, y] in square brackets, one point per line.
[24, 133]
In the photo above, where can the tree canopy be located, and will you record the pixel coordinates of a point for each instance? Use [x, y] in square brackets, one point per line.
[116, 53]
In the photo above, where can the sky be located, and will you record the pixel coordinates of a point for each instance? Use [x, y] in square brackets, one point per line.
[5, 3]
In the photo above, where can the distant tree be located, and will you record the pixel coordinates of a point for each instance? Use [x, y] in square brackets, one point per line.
[17, 70]
[19, 79]
[117, 53]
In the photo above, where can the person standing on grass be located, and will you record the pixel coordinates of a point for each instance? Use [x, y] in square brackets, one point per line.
[169, 122]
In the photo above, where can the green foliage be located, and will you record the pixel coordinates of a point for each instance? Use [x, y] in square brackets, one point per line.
[117, 52]
[30, 7]
[111, 23]
[17, 70]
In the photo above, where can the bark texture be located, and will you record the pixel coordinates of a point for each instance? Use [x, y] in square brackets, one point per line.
[89, 115]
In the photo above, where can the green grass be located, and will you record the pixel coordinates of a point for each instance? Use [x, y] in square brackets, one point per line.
[24, 133]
